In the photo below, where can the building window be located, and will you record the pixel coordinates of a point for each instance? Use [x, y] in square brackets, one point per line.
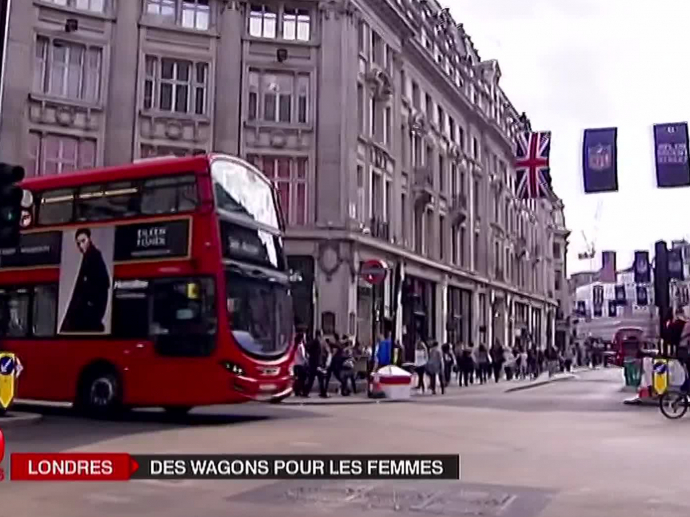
[66, 69]
[290, 177]
[419, 231]
[190, 14]
[360, 109]
[176, 86]
[403, 218]
[387, 126]
[278, 97]
[151, 151]
[556, 250]
[296, 24]
[272, 22]
[263, 21]
[463, 244]
[476, 251]
[416, 96]
[441, 237]
[55, 154]
[475, 196]
[441, 173]
[454, 251]
[362, 29]
[475, 148]
[95, 6]
[361, 195]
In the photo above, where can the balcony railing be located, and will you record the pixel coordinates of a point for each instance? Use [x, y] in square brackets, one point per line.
[423, 184]
[380, 229]
[458, 209]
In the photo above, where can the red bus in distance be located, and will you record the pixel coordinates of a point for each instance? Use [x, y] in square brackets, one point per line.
[158, 283]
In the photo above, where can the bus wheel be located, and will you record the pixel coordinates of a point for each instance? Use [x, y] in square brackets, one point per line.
[100, 392]
[177, 410]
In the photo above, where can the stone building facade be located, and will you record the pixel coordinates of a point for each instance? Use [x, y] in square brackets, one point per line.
[387, 135]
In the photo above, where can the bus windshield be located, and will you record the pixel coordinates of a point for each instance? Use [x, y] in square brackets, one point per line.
[259, 312]
[243, 191]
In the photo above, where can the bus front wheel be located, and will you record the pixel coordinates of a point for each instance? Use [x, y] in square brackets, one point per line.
[100, 392]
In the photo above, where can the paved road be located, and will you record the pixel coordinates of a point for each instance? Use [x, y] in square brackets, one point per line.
[566, 449]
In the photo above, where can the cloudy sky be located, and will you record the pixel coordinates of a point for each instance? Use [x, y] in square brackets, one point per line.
[575, 64]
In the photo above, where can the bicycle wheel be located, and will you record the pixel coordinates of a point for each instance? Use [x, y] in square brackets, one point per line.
[673, 404]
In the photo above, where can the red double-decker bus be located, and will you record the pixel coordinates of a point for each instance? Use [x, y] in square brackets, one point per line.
[160, 283]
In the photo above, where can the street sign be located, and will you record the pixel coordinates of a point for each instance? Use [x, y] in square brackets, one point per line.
[10, 368]
[373, 271]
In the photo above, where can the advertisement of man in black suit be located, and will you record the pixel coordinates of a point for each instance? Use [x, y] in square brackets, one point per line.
[86, 271]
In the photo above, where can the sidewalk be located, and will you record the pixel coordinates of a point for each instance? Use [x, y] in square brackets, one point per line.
[452, 391]
[17, 419]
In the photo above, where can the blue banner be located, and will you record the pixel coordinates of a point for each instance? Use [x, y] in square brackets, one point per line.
[675, 264]
[641, 268]
[599, 160]
[671, 154]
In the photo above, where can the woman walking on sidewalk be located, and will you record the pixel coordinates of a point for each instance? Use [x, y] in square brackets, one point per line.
[483, 364]
[434, 368]
[466, 366]
[449, 364]
[421, 357]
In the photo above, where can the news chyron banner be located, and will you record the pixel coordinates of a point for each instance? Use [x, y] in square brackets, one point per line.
[125, 467]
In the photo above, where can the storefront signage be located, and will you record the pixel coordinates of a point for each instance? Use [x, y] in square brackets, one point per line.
[159, 240]
[34, 250]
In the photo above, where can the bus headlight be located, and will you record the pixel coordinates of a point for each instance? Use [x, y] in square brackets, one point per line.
[233, 368]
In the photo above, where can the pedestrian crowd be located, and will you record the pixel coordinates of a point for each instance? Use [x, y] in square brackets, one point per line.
[342, 358]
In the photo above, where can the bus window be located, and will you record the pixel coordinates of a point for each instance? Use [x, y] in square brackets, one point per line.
[111, 201]
[57, 207]
[44, 310]
[169, 195]
[15, 312]
[184, 319]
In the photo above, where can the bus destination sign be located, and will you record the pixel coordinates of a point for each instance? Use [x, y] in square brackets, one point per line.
[34, 250]
[158, 240]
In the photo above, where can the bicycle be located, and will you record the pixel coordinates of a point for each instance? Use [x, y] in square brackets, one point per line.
[673, 404]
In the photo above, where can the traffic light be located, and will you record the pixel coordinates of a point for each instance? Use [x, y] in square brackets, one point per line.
[10, 204]
[661, 279]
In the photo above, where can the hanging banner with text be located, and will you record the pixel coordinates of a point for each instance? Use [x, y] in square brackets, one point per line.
[671, 154]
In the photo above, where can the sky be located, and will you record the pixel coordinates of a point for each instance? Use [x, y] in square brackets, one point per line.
[576, 64]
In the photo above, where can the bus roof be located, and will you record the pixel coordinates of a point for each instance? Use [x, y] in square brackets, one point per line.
[136, 170]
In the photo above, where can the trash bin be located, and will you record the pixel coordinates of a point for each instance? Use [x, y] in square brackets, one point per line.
[395, 383]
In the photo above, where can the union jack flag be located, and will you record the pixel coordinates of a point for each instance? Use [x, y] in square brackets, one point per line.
[532, 175]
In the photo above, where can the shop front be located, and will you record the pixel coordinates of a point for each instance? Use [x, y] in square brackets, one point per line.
[419, 313]
[459, 317]
[302, 287]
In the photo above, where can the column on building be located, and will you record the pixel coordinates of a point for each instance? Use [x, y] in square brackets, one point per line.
[232, 54]
[18, 80]
[336, 134]
[123, 83]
